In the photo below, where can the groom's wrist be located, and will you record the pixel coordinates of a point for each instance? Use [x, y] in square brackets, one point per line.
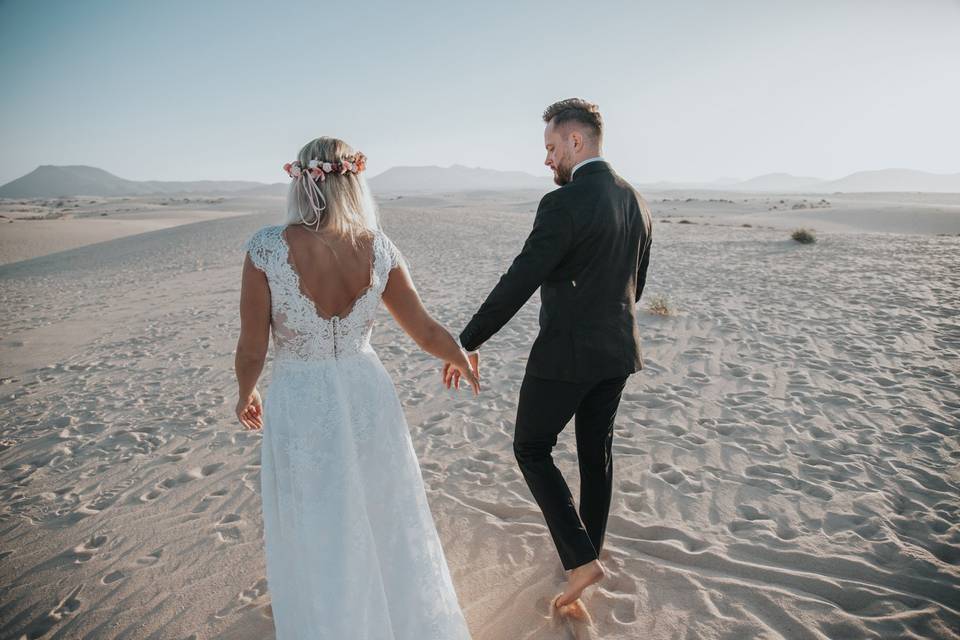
[469, 353]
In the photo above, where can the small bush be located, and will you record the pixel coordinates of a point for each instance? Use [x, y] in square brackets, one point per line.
[684, 222]
[660, 305]
[804, 236]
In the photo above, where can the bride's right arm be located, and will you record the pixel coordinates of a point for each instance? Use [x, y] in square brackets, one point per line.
[403, 302]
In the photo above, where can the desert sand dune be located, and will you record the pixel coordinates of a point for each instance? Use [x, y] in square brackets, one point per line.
[786, 465]
[34, 227]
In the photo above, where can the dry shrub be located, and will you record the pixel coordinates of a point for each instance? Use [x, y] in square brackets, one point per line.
[660, 306]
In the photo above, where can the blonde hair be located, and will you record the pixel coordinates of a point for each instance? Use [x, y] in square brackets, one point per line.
[350, 209]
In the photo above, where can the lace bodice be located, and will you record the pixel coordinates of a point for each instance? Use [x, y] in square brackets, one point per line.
[299, 332]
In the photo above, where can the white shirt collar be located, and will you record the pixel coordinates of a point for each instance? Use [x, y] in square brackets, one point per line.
[583, 162]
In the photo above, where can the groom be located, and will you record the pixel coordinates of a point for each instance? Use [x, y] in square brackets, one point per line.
[588, 253]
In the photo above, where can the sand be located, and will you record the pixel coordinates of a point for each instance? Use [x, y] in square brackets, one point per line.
[40, 226]
[785, 467]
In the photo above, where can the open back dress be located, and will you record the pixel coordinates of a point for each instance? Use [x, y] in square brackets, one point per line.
[352, 551]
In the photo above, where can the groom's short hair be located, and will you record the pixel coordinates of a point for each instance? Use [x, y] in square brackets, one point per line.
[575, 110]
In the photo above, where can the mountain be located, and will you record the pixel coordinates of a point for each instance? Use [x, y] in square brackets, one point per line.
[860, 182]
[776, 182]
[896, 180]
[51, 181]
[454, 178]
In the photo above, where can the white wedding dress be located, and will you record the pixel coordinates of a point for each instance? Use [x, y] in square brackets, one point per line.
[352, 552]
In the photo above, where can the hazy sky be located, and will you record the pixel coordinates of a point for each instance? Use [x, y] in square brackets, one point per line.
[182, 90]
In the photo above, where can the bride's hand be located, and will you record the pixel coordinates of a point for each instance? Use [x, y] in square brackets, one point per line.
[250, 411]
[468, 368]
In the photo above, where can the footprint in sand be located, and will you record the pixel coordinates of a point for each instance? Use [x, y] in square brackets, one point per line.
[677, 478]
[623, 608]
[675, 429]
[726, 428]
[108, 498]
[737, 527]
[436, 430]
[86, 550]
[752, 513]
[432, 467]
[736, 370]
[184, 477]
[66, 608]
[668, 473]
[177, 454]
[694, 439]
[210, 469]
[226, 533]
[437, 417]
[434, 424]
[151, 558]
[252, 597]
[633, 496]
[487, 456]
[414, 398]
[833, 522]
[112, 577]
[785, 530]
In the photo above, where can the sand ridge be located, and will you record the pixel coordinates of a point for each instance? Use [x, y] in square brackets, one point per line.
[785, 465]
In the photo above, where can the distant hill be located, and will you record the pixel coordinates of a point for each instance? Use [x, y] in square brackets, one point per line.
[51, 181]
[776, 182]
[454, 178]
[860, 182]
[897, 180]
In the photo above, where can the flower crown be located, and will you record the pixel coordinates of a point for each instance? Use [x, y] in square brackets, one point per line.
[318, 170]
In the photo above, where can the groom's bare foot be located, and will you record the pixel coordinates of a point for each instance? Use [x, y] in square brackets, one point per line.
[580, 578]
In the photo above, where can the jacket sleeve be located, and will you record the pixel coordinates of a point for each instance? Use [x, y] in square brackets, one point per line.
[549, 241]
[644, 261]
[642, 269]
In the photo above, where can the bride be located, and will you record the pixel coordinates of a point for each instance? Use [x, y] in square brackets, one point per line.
[351, 547]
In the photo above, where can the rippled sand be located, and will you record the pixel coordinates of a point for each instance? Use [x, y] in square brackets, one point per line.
[785, 466]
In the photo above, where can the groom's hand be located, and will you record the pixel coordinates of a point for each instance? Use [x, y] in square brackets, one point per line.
[452, 377]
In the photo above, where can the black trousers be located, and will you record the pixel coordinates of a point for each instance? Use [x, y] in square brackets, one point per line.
[544, 409]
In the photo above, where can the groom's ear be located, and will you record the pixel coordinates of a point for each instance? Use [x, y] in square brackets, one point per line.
[577, 139]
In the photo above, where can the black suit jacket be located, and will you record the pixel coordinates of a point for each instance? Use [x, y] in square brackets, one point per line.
[588, 253]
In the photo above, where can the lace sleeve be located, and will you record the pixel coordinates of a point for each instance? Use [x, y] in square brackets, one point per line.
[394, 257]
[258, 249]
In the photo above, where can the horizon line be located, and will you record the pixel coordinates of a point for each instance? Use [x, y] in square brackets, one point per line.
[690, 182]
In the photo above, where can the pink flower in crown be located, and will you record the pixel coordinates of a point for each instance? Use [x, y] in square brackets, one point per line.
[344, 167]
[286, 168]
[316, 172]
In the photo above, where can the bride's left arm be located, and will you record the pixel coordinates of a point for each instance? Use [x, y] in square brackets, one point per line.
[254, 340]
[401, 299]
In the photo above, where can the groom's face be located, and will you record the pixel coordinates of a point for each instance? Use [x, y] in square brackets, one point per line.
[561, 145]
